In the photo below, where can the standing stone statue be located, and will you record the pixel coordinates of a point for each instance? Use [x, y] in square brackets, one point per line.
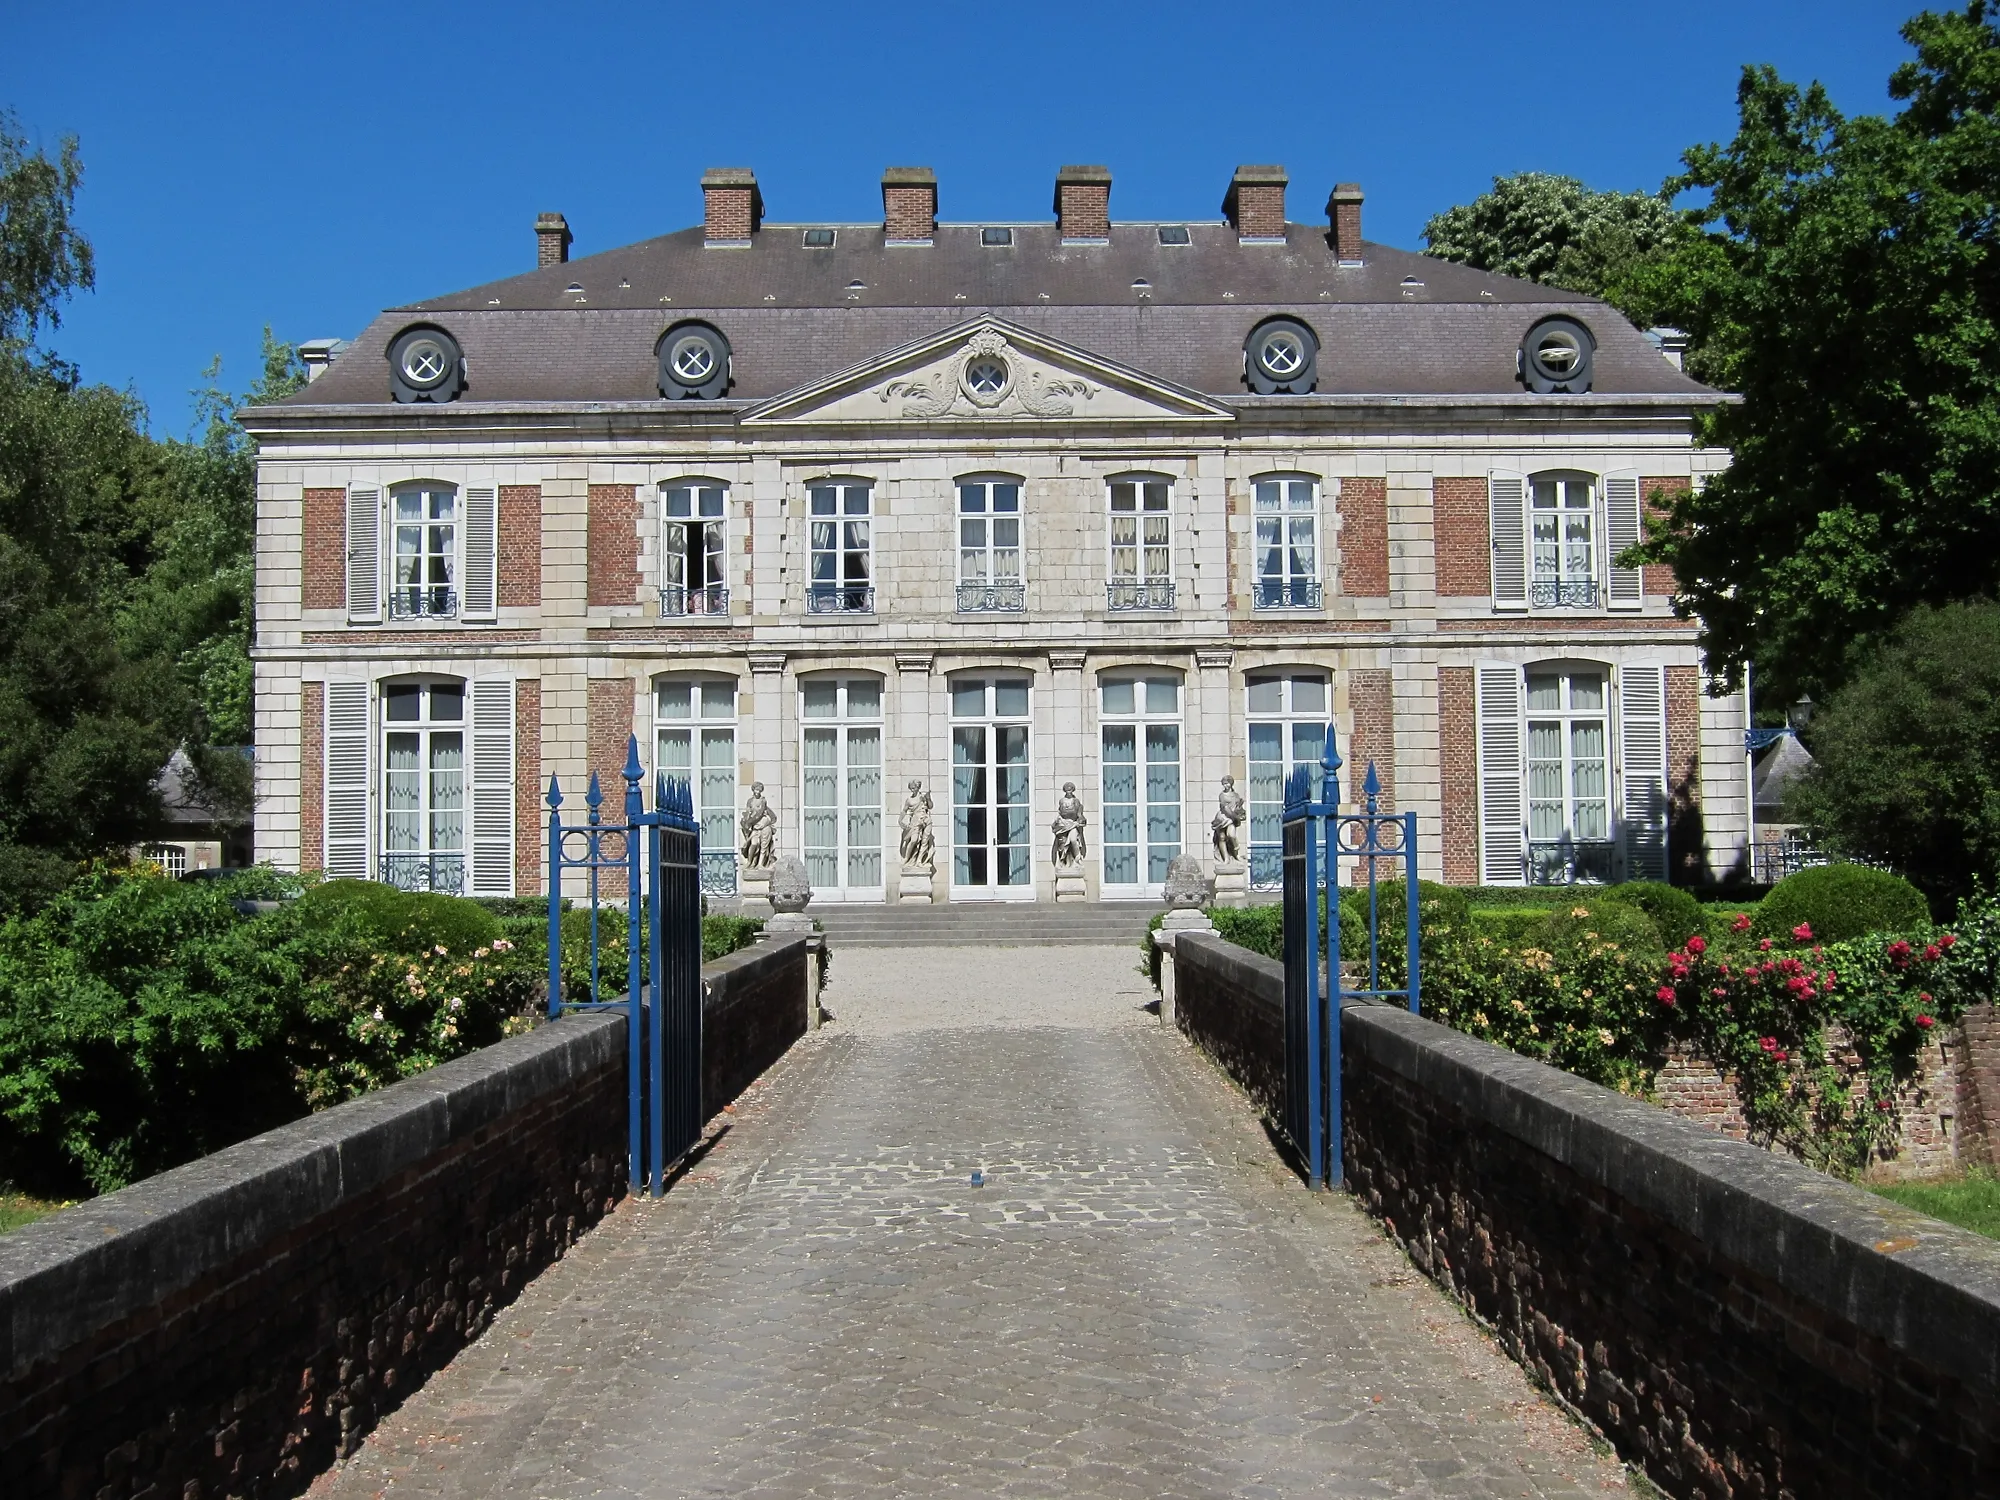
[1229, 815]
[760, 830]
[1069, 849]
[919, 847]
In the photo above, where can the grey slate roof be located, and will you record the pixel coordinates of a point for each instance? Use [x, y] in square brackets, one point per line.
[1400, 324]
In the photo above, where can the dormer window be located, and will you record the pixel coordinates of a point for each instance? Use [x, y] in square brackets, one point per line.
[819, 239]
[694, 363]
[425, 364]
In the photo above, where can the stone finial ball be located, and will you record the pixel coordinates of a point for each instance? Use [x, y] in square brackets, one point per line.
[791, 889]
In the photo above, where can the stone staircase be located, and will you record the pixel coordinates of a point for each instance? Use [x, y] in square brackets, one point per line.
[970, 924]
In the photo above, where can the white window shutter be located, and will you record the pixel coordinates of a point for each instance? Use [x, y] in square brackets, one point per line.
[346, 784]
[493, 787]
[1642, 754]
[1503, 829]
[364, 556]
[479, 598]
[1623, 587]
[1507, 523]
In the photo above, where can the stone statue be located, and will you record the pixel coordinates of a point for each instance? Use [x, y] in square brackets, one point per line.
[1228, 818]
[760, 830]
[1069, 849]
[919, 848]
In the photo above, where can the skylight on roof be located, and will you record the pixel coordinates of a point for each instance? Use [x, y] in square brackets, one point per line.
[819, 239]
[1173, 234]
[996, 236]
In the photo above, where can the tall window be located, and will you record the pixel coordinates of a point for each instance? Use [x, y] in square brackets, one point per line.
[694, 549]
[991, 853]
[1287, 543]
[1287, 730]
[695, 727]
[1564, 544]
[840, 761]
[423, 786]
[1569, 778]
[425, 567]
[1142, 548]
[989, 545]
[842, 579]
[1141, 771]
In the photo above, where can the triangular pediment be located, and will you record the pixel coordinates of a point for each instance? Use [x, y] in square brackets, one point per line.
[988, 370]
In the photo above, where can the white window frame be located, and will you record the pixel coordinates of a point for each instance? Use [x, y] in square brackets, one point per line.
[1148, 583]
[1264, 857]
[992, 722]
[844, 722]
[1142, 717]
[1576, 578]
[429, 600]
[714, 805]
[840, 594]
[680, 598]
[991, 586]
[1569, 852]
[427, 865]
[1289, 588]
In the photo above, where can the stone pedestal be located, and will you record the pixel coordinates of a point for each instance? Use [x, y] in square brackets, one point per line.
[753, 890]
[1232, 883]
[918, 886]
[1178, 921]
[1071, 886]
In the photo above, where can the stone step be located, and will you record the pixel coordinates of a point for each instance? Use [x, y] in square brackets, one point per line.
[978, 925]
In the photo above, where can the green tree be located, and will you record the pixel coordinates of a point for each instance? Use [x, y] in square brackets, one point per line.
[1844, 282]
[1554, 230]
[43, 256]
[1908, 754]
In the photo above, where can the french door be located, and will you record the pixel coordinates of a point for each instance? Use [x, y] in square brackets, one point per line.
[992, 850]
[1287, 721]
[840, 776]
[1140, 782]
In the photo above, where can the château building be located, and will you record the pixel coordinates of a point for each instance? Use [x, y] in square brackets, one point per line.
[994, 509]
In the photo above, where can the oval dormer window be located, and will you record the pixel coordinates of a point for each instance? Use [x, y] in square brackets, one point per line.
[1556, 357]
[694, 363]
[425, 364]
[1281, 358]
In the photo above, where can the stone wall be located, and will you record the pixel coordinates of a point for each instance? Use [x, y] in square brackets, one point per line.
[235, 1325]
[1734, 1321]
[1231, 1003]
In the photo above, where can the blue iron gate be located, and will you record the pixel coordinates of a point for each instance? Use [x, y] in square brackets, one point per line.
[656, 857]
[1317, 837]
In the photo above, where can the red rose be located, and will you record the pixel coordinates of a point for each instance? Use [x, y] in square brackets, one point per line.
[1763, 945]
[1803, 932]
[1697, 944]
[1947, 940]
[1719, 992]
[1932, 952]
[1664, 995]
[1925, 996]
[1767, 1042]
[1741, 924]
[1781, 1055]
[1924, 1023]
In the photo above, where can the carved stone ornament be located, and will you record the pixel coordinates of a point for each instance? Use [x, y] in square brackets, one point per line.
[990, 378]
[791, 889]
[1186, 886]
[1068, 849]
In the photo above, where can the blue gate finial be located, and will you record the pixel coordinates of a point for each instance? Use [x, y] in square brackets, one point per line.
[1371, 785]
[634, 775]
[554, 798]
[1330, 762]
[594, 798]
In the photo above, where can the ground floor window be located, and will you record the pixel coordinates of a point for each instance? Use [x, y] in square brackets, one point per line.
[695, 730]
[992, 849]
[840, 772]
[1140, 779]
[1287, 721]
[424, 786]
[1569, 777]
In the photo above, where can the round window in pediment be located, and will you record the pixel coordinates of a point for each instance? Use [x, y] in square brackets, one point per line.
[987, 377]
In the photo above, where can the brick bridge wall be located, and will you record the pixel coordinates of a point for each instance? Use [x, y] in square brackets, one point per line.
[232, 1327]
[1732, 1320]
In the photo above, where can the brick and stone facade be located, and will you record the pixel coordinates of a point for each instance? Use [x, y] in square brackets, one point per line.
[858, 387]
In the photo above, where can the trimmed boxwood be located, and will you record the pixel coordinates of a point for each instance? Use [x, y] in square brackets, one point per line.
[1839, 902]
[1676, 914]
[1570, 930]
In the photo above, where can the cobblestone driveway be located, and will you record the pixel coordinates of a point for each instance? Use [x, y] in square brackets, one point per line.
[1138, 1302]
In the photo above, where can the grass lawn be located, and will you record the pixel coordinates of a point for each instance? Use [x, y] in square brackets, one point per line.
[1972, 1201]
[16, 1210]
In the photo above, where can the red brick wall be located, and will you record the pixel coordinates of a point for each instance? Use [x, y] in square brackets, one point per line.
[530, 813]
[1458, 519]
[325, 582]
[614, 543]
[1085, 213]
[909, 212]
[521, 546]
[1371, 697]
[1260, 210]
[610, 734]
[1658, 495]
[729, 211]
[1979, 1086]
[312, 776]
[1364, 538]
[1685, 837]
[1458, 768]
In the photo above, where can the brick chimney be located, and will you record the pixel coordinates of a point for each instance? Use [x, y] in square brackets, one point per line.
[1083, 204]
[909, 205]
[551, 240]
[734, 206]
[1343, 213]
[1255, 203]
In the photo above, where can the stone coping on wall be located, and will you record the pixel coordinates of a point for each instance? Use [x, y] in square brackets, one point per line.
[1927, 1288]
[66, 1276]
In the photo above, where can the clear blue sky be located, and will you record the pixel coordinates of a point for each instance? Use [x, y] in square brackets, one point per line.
[305, 166]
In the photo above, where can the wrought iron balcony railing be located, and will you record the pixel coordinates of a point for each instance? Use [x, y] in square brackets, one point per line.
[839, 599]
[992, 598]
[1286, 593]
[443, 873]
[426, 601]
[710, 601]
[1121, 597]
[1563, 593]
[1569, 862]
[718, 872]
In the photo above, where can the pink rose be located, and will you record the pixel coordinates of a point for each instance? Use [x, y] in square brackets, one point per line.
[1697, 944]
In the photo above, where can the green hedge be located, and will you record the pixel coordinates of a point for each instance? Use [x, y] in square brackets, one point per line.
[1838, 902]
